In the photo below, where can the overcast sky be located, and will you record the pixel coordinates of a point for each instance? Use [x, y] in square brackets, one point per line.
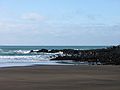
[59, 22]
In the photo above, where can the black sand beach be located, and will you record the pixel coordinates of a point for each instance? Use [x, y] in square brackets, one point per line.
[60, 78]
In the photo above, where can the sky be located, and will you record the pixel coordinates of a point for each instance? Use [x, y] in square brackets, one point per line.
[60, 22]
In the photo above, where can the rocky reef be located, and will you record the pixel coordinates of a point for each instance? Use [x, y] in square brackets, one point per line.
[109, 55]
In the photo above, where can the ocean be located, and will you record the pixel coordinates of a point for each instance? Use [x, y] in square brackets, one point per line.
[19, 55]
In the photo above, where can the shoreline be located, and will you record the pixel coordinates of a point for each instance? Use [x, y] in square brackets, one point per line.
[34, 65]
[104, 56]
[70, 65]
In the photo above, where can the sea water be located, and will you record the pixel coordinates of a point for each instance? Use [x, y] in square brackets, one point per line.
[21, 56]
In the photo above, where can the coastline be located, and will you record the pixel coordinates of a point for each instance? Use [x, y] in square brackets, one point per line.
[62, 77]
[20, 56]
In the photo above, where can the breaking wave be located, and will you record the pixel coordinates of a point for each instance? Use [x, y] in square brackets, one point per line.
[9, 58]
[14, 52]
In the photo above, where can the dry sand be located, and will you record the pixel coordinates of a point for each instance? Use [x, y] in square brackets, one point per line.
[60, 78]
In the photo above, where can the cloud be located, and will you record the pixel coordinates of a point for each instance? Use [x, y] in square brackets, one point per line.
[29, 21]
[19, 32]
[33, 17]
[14, 26]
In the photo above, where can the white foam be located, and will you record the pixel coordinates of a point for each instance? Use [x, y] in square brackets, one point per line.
[28, 60]
[22, 51]
[13, 63]
[30, 57]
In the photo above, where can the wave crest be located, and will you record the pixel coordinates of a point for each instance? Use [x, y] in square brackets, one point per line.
[14, 52]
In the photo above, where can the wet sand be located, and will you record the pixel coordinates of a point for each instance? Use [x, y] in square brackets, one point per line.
[60, 78]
